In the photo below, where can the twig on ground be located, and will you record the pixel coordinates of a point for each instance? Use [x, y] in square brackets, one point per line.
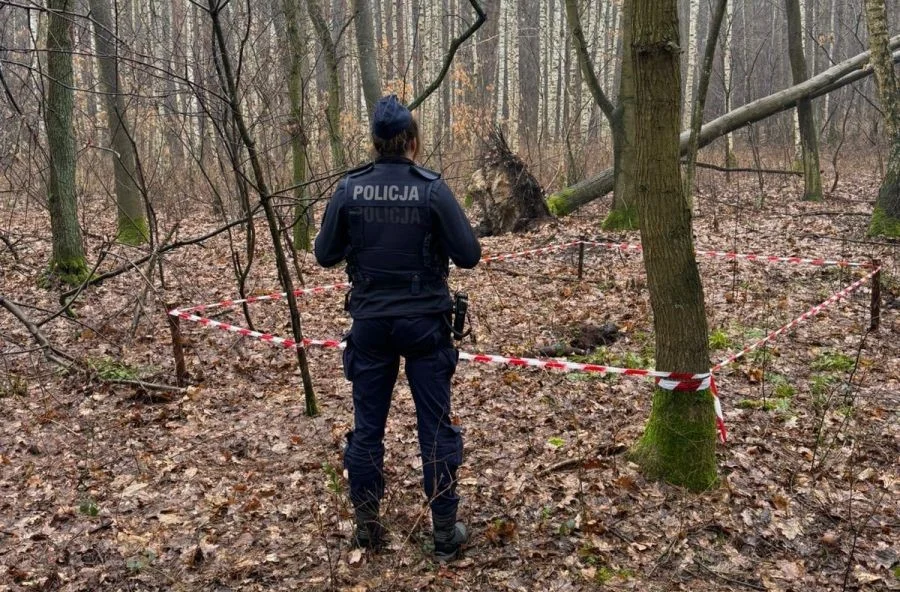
[725, 578]
[61, 358]
[10, 245]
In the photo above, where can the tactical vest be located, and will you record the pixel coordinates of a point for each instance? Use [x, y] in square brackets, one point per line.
[389, 221]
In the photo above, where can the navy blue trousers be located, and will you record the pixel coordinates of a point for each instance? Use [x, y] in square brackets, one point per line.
[372, 363]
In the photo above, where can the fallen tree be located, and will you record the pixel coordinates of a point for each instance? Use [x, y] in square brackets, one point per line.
[847, 72]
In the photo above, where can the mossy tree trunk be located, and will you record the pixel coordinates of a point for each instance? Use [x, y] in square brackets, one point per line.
[297, 65]
[809, 141]
[623, 214]
[67, 261]
[886, 217]
[679, 440]
[333, 107]
[132, 219]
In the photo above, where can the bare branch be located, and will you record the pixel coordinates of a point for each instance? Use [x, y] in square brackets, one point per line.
[451, 52]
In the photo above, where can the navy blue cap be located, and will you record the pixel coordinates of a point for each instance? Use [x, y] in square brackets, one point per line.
[391, 117]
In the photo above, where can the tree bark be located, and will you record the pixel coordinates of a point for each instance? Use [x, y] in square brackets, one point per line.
[809, 141]
[621, 120]
[679, 441]
[696, 118]
[333, 108]
[693, 18]
[297, 66]
[623, 214]
[132, 220]
[529, 73]
[365, 44]
[67, 261]
[487, 52]
[886, 217]
[571, 198]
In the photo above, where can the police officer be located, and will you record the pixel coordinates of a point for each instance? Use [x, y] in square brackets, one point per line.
[397, 225]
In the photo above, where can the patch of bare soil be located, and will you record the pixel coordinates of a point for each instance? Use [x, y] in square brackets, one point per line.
[228, 486]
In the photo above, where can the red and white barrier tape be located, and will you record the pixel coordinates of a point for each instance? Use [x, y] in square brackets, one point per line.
[777, 259]
[613, 246]
[794, 323]
[745, 256]
[266, 337]
[671, 381]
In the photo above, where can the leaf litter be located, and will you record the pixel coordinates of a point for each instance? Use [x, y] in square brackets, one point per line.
[229, 486]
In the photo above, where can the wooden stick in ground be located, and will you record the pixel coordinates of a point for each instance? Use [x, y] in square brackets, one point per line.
[580, 260]
[875, 306]
[177, 349]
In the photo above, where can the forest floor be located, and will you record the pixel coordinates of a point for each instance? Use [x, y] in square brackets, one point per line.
[229, 486]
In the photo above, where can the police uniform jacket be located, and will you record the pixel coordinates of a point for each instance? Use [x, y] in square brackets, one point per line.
[397, 225]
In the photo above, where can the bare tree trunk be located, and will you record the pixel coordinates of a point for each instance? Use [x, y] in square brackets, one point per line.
[365, 44]
[297, 66]
[571, 198]
[679, 442]
[693, 17]
[886, 217]
[696, 120]
[68, 261]
[487, 51]
[529, 70]
[808, 131]
[621, 120]
[333, 108]
[727, 85]
[623, 214]
[132, 220]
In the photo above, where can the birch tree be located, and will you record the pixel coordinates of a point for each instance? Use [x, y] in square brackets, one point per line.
[693, 17]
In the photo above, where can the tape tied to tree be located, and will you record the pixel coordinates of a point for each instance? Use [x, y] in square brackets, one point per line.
[671, 381]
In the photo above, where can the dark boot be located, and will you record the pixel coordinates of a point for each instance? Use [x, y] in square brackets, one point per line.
[369, 531]
[449, 536]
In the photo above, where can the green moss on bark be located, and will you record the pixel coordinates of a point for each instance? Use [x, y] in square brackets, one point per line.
[883, 224]
[678, 445]
[133, 231]
[621, 219]
[70, 271]
[559, 204]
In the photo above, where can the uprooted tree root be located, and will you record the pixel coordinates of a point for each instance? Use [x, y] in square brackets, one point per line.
[508, 195]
